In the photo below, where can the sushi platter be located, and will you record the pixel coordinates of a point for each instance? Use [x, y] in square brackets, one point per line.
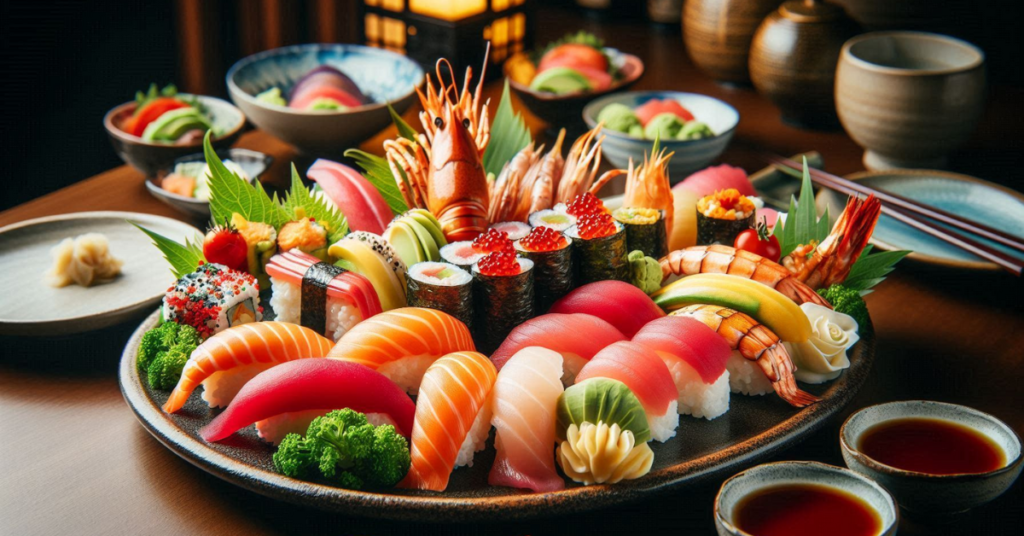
[465, 329]
[751, 431]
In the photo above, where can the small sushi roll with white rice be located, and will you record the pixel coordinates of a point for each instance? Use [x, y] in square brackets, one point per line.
[516, 230]
[442, 286]
[553, 218]
[461, 254]
[212, 299]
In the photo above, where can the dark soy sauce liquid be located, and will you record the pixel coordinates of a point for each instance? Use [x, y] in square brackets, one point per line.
[933, 446]
[806, 510]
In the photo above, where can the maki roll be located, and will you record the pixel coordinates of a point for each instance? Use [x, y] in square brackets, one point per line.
[320, 296]
[645, 230]
[723, 215]
[515, 230]
[372, 257]
[461, 254]
[552, 259]
[442, 286]
[502, 297]
[599, 248]
[212, 299]
[555, 219]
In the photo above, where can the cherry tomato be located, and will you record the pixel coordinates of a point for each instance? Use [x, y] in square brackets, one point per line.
[758, 241]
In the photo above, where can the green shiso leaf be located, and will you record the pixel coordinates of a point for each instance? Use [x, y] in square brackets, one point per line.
[602, 399]
[230, 194]
[404, 130]
[183, 258]
[871, 268]
[376, 170]
[509, 135]
[315, 207]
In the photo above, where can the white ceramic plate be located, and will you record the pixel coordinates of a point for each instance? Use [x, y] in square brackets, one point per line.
[29, 306]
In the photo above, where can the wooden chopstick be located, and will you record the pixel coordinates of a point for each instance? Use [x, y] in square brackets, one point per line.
[1003, 260]
[910, 205]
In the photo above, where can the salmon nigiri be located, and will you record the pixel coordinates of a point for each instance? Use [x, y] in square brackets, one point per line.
[453, 418]
[402, 343]
[647, 376]
[224, 362]
[525, 401]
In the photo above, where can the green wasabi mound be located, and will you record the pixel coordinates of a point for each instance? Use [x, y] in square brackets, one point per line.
[694, 130]
[664, 126]
[602, 400]
[620, 118]
[272, 96]
[644, 272]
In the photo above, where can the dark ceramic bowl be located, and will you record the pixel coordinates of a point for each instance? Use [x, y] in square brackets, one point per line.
[565, 110]
[928, 493]
[382, 75]
[254, 164]
[735, 489]
[150, 157]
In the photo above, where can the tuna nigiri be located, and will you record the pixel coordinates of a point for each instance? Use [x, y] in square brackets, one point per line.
[525, 403]
[577, 337]
[453, 418]
[696, 357]
[616, 302]
[402, 343]
[709, 180]
[647, 376]
[321, 385]
[365, 209]
[229, 359]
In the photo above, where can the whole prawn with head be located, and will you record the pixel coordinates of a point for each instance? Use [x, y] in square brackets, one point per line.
[442, 171]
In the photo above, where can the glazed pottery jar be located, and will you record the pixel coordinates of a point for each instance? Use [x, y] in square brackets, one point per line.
[717, 35]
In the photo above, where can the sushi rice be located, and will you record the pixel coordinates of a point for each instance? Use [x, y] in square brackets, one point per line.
[697, 398]
[745, 377]
[476, 439]
[286, 301]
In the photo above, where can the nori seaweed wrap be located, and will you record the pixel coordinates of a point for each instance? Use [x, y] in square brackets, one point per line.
[442, 286]
[723, 215]
[645, 230]
[500, 303]
[598, 259]
[553, 275]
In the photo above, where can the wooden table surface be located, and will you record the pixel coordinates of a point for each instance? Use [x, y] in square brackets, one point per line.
[74, 460]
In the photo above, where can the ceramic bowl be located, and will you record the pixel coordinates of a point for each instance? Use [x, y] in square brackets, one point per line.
[382, 75]
[150, 157]
[564, 110]
[253, 162]
[909, 98]
[768, 475]
[690, 155]
[927, 493]
[717, 35]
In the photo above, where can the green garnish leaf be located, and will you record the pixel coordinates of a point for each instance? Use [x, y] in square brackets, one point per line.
[871, 268]
[315, 207]
[509, 135]
[229, 194]
[376, 170]
[404, 130]
[184, 259]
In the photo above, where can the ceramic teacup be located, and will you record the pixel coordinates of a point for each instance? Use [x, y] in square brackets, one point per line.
[909, 98]
[768, 475]
[929, 493]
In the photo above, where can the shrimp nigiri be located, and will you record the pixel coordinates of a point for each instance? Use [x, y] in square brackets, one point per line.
[229, 359]
[453, 418]
[402, 343]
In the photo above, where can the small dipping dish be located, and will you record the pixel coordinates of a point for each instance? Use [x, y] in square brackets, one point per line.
[254, 164]
[928, 492]
[747, 499]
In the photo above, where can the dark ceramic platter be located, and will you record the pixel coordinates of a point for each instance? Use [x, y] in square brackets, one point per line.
[753, 429]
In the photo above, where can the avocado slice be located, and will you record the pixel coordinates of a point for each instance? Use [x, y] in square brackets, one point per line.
[173, 124]
[406, 242]
[560, 80]
[430, 248]
[430, 222]
[678, 297]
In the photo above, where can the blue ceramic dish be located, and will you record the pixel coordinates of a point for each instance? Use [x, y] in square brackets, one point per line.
[381, 75]
[690, 155]
[966, 196]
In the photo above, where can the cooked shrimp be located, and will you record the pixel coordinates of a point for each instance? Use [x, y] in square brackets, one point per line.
[834, 256]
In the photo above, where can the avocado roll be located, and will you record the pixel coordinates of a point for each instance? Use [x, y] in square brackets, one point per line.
[502, 297]
[645, 230]
[514, 229]
[461, 254]
[599, 248]
[555, 219]
[551, 253]
[442, 286]
[723, 215]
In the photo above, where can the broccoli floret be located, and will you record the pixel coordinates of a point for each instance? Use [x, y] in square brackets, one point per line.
[342, 440]
[294, 456]
[848, 301]
[157, 340]
[165, 371]
[389, 458]
[188, 336]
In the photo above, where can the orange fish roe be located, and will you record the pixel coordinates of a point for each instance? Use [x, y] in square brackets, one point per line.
[727, 204]
[543, 239]
[491, 241]
[499, 263]
[596, 225]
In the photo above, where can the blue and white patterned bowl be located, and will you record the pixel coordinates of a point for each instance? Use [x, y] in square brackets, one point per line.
[381, 75]
[690, 155]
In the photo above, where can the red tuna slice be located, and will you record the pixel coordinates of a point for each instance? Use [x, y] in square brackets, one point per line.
[689, 340]
[578, 334]
[356, 198]
[599, 80]
[305, 100]
[312, 384]
[646, 111]
[640, 369]
[709, 180]
[325, 75]
[616, 302]
[575, 56]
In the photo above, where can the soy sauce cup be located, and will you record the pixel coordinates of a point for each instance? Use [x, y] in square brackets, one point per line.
[730, 499]
[928, 493]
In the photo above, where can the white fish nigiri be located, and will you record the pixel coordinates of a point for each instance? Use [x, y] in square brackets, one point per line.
[525, 398]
